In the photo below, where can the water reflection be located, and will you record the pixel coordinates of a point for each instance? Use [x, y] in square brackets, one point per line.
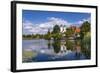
[55, 50]
[61, 46]
[56, 45]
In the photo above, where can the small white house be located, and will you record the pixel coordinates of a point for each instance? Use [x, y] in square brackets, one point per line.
[62, 28]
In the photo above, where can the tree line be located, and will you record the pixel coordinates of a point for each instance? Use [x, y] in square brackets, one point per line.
[57, 35]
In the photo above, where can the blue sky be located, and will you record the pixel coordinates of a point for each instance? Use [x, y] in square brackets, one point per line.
[45, 19]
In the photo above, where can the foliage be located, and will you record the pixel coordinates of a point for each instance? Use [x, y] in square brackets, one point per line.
[47, 36]
[69, 32]
[56, 33]
[56, 29]
[57, 36]
[36, 36]
[85, 27]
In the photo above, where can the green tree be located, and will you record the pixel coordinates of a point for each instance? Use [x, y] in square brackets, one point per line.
[69, 32]
[57, 36]
[48, 35]
[56, 29]
[85, 27]
[56, 33]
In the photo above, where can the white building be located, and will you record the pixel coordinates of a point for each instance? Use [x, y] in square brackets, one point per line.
[62, 28]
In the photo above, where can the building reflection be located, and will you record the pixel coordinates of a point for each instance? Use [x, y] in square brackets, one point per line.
[62, 48]
[67, 45]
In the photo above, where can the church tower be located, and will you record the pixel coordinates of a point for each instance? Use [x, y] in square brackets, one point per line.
[62, 28]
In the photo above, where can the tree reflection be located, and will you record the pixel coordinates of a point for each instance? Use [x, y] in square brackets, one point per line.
[49, 44]
[78, 51]
[77, 46]
[83, 47]
[69, 44]
[56, 45]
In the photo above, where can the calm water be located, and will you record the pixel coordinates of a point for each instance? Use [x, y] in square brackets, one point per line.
[39, 50]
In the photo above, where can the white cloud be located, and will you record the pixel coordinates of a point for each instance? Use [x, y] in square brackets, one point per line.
[27, 25]
[59, 21]
[42, 28]
[79, 23]
[88, 19]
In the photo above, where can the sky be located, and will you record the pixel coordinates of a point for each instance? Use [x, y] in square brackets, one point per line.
[38, 22]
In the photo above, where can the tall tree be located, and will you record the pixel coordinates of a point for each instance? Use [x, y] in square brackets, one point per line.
[85, 27]
[56, 33]
[56, 29]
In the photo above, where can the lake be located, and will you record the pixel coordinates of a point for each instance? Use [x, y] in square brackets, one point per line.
[41, 50]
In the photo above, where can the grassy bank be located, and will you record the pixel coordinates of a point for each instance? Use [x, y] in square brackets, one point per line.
[28, 55]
